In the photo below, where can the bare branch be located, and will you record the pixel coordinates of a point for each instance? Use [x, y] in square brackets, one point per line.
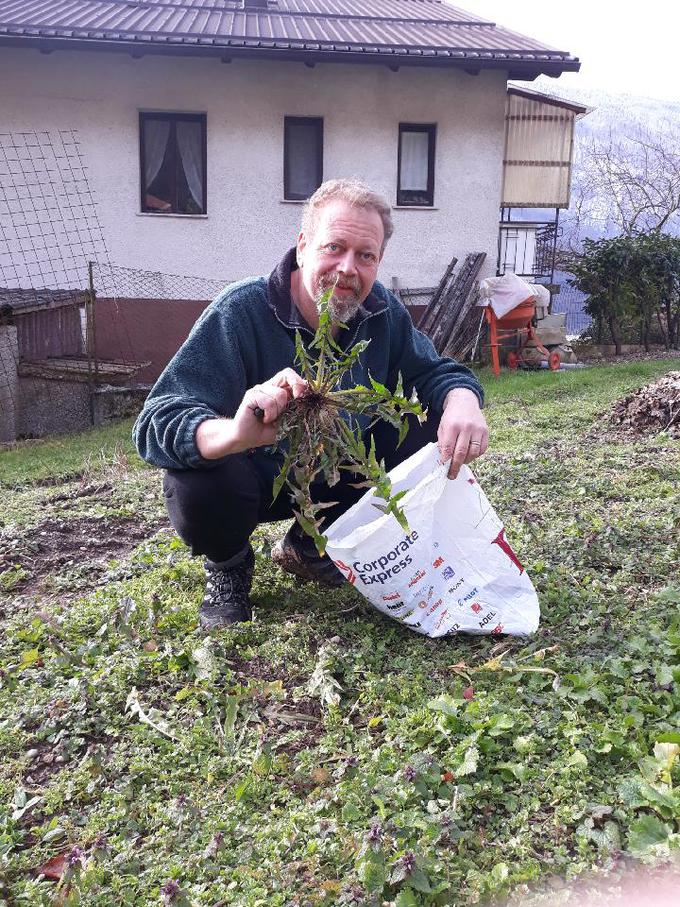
[629, 181]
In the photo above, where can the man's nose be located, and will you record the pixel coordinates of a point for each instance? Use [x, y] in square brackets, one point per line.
[348, 264]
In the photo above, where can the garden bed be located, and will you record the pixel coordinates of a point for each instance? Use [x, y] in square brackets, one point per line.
[324, 755]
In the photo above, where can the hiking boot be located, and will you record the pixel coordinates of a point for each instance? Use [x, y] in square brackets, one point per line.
[226, 599]
[296, 553]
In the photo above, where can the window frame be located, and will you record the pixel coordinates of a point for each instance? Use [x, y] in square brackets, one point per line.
[430, 129]
[289, 121]
[173, 118]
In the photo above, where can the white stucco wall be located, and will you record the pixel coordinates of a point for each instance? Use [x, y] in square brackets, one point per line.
[248, 227]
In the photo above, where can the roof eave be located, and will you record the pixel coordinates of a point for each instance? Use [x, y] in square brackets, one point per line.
[531, 95]
[518, 66]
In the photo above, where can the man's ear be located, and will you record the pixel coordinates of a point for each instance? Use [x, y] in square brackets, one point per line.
[301, 245]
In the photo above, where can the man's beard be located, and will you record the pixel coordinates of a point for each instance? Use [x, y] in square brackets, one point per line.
[341, 309]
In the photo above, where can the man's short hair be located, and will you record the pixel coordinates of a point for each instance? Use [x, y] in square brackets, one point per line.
[355, 193]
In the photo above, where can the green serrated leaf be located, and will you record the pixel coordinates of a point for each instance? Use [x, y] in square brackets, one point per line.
[499, 874]
[646, 833]
[446, 704]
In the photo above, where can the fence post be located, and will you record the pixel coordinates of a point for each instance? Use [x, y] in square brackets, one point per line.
[9, 383]
[91, 341]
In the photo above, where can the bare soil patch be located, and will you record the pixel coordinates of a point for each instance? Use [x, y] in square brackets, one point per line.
[58, 545]
[651, 409]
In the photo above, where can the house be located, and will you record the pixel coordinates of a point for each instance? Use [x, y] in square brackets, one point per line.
[204, 124]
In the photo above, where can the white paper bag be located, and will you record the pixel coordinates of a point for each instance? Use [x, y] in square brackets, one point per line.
[453, 572]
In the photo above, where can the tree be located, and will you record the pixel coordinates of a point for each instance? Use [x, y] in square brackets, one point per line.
[602, 270]
[625, 184]
[631, 281]
[656, 281]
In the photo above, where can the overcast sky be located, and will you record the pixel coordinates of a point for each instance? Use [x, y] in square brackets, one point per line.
[624, 49]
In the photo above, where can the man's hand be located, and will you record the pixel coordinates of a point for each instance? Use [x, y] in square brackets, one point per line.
[256, 420]
[463, 435]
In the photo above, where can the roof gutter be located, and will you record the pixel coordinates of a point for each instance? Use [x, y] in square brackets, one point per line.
[518, 66]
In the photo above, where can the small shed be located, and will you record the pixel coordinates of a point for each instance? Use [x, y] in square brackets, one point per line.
[49, 375]
[49, 323]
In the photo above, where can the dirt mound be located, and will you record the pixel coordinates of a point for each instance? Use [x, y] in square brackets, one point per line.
[653, 408]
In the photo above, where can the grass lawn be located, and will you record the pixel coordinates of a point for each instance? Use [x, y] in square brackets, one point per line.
[324, 755]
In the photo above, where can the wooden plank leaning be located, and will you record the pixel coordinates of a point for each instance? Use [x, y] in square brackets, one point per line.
[429, 317]
[461, 343]
[457, 300]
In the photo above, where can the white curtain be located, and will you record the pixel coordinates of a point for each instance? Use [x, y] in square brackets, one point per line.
[156, 134]
[414, 146]
[189, 142]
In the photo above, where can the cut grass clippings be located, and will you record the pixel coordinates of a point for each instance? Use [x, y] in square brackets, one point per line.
[325, 755]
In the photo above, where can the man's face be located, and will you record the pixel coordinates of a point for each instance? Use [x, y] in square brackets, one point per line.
[345, 251]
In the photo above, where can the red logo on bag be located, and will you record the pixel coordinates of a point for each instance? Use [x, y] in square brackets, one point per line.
[351, 575]
[497, 630]
[502, 543]
[438, 562]
[476, 608]
[435, 606]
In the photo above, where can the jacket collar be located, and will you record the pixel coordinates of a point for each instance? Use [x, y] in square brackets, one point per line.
[282, 305]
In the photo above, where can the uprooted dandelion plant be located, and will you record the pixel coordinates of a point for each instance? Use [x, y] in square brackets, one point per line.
[320, 441]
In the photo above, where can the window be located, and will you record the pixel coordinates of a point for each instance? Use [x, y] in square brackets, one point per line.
[173, 162]
[415, 166]
[302, 156]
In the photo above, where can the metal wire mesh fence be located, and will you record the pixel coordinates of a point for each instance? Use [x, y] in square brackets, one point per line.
[141, 317]
[48, 230]
[76, 331]
[48, 218]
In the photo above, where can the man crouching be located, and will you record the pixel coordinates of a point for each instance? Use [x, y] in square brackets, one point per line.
[211, 419]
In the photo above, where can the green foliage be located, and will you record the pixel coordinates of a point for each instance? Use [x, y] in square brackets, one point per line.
[320, 439]
[632, 281]
[12, 577]
[324, 755]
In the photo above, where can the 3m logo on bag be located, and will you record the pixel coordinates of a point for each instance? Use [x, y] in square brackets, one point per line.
[384, 566]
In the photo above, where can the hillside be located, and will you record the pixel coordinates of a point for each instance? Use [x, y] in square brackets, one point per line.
[610, 116]
[611, 111]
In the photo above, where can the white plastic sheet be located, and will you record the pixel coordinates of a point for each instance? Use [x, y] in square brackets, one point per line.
[453, 572]
[505, 293]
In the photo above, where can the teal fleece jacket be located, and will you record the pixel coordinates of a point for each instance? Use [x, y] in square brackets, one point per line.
[248, 334]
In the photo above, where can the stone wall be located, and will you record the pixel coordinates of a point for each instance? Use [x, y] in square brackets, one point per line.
[52, 407]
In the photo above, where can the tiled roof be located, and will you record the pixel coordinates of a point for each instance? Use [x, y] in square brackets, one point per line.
[398, 32]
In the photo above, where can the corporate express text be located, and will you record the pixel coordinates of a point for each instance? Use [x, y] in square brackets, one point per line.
[387, 565]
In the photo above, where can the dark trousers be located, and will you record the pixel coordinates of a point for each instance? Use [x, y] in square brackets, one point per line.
[215, 511]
